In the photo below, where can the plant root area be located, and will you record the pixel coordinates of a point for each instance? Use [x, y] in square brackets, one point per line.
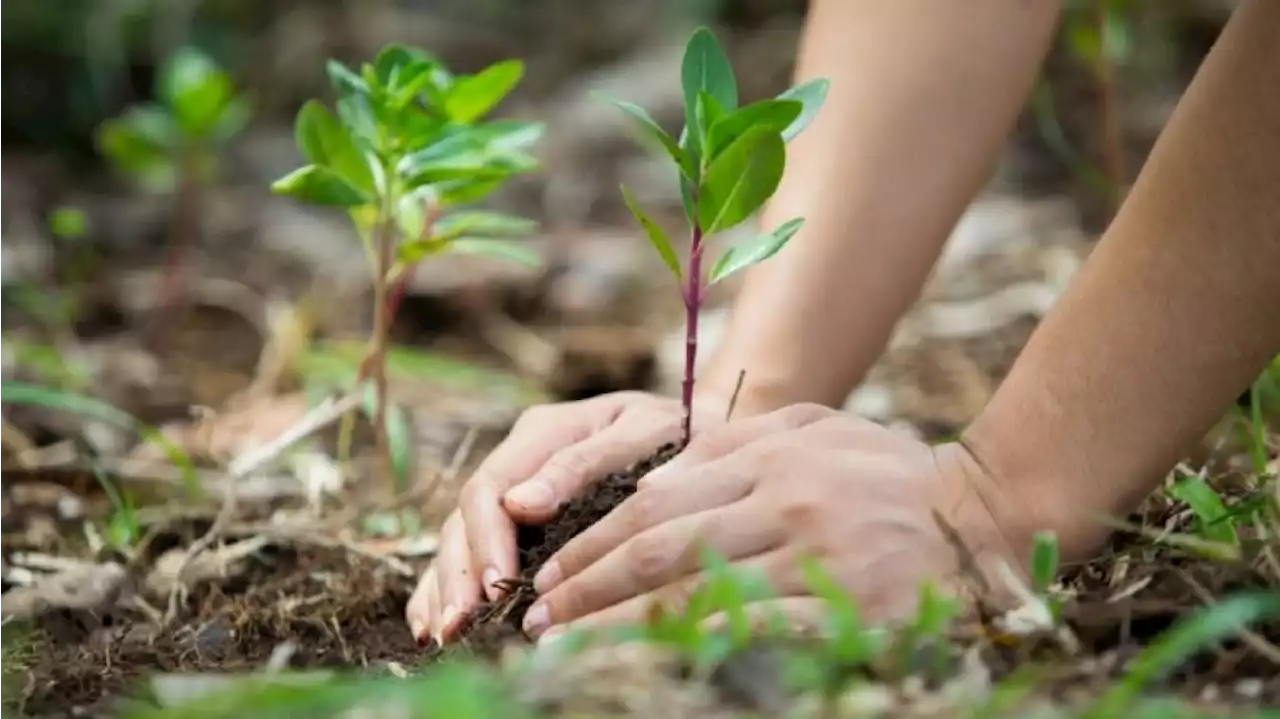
[494, 625]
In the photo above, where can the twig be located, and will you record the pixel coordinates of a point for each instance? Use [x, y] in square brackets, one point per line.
[246, 464]
[1264, 648]
[733, 398]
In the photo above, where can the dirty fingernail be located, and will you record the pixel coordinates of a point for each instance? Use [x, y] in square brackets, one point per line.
[491, 577]
[533, 495]
[547, 578]
[419, 631]
[537, 620]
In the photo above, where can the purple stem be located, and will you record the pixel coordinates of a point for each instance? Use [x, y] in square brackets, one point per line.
[692, 303]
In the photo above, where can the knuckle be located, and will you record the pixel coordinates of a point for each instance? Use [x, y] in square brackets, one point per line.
[650, 558]
[569, 466]
[642, 508]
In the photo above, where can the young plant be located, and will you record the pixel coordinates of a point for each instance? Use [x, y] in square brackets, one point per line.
[407, 146]
[729, 160]
[172, 145]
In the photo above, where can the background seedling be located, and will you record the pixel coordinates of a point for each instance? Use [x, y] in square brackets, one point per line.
[729, 161]
[406, 146]
[172, 145]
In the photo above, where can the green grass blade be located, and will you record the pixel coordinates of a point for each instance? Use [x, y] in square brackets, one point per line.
[1192, 634]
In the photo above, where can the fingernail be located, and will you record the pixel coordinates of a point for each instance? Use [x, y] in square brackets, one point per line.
[491, 577]
[419, 632]
[547, 578]
[537, 620]
[534, 495]
[447, 618]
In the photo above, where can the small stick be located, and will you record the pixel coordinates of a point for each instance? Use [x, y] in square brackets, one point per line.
[250, 462]
[733, 399]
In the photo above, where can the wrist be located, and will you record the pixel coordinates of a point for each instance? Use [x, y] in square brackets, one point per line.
[1028, 493]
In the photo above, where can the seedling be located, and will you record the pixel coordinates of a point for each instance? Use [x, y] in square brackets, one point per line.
[406, 147]
[172, 145]
[729, 161]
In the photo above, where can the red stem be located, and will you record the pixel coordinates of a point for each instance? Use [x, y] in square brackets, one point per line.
[692, 303]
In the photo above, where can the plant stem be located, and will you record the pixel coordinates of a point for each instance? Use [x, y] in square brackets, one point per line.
[381, 331]
[183, 229]
[692, 304]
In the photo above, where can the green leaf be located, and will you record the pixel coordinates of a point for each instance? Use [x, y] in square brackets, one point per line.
[399, 435]
[320, 186]
[656, 236]
[705, 67]
[482, 223]
[1044, 561]
[1190, 635]
[811, 95]
[774, 115]
[325, 142]
[345, 82]
[196, 91]
[500, 249]
[741, 179]
[394, 60]
[472, 148]
[755, 251]
[651, 128]
[69, 223]
[25, 394]
[1211, 514]
[474, 96]
[140, 144]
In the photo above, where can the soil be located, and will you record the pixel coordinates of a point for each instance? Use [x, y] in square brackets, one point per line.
[336, 609]
[494, 625]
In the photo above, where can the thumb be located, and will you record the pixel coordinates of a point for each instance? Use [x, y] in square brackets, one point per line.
[573, 468]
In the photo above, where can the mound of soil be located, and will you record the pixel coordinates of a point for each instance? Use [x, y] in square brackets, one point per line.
[493, 625]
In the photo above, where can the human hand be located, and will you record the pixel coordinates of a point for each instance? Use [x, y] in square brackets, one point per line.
[551, 454]
[766, 493]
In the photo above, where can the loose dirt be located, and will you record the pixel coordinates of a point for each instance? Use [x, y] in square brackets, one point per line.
[493, 625]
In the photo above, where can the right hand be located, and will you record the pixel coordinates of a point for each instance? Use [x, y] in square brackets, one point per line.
[551, 454]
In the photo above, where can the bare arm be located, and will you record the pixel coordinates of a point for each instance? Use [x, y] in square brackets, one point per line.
[923, 94]
[1176, 311]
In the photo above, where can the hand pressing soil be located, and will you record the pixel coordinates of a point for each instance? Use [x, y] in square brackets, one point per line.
[493, 625]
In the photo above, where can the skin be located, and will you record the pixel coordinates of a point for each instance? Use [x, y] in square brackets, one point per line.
[1174, 313]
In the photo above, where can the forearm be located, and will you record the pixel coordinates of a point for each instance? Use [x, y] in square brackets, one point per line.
[1176, 311]
[923, 94]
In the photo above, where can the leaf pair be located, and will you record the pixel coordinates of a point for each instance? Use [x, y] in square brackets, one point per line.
[198, 107]
[730, 159]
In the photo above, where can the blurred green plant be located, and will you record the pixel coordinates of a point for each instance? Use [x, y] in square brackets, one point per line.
[407, 145]
[121, 528]
[172, 146]
[729, 161]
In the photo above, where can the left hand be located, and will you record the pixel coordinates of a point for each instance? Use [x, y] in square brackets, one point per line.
[765, 493]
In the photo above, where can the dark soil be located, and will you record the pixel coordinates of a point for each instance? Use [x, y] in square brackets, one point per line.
[338, 610]
[494, 625]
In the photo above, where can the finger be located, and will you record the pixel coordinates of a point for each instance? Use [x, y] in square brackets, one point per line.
[491, 532]
[459, 585]
[417, 612]
[723, 441]
[673, 596]
[566, 472]
[657, 558]
[710, 486]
